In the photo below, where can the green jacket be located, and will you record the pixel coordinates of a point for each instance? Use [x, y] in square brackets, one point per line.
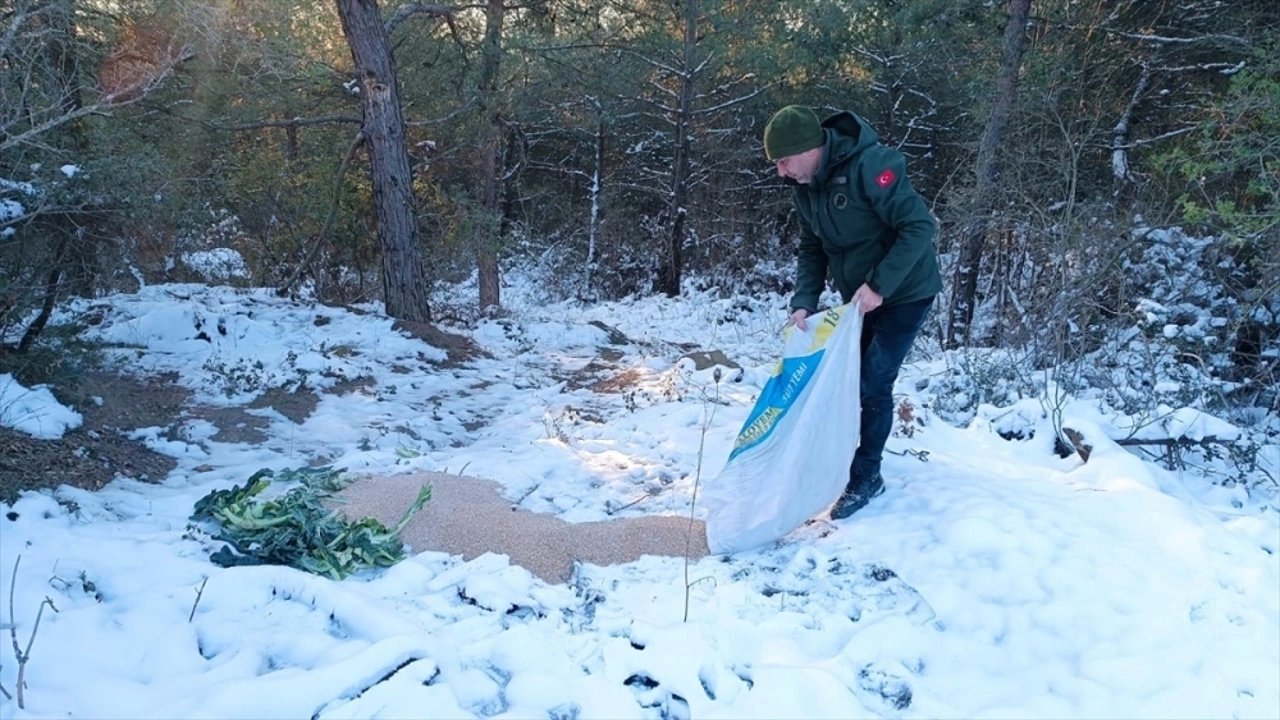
[861, 220]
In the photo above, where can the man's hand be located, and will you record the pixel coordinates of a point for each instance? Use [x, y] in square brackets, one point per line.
[797, 319]
[867, 299]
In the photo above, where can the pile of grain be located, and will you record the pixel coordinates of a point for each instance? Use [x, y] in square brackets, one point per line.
[469, 517]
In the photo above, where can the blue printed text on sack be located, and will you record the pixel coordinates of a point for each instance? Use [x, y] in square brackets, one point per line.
[778, 395]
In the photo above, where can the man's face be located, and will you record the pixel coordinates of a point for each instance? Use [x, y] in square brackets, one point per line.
[800, 167]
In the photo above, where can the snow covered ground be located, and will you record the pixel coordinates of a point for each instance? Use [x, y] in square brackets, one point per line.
[993, 578]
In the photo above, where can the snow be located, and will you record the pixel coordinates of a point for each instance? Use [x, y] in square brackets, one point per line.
[992, 579]
[10, 209]
[21, 186]
[34, 411]
[217, 264]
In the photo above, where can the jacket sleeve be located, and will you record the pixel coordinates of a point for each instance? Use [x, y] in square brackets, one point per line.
[811, 266]
[900, 207]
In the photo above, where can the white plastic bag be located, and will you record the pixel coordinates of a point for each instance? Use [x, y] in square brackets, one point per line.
[791, 458]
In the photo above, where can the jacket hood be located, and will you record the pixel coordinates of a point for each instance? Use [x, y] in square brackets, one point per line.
[847, 135]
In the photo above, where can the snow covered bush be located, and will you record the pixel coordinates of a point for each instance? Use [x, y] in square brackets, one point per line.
[1187, 329]
[216, 264]
[981, 376]
[1192, 342]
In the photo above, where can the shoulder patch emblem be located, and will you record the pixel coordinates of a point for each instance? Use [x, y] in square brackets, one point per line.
[886, 178]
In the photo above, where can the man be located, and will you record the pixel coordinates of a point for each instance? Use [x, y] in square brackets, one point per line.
[862, 222]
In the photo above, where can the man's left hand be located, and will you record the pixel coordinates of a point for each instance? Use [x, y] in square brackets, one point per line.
[867, 299]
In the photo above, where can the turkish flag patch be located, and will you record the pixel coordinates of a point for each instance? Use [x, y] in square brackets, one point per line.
[886, 179]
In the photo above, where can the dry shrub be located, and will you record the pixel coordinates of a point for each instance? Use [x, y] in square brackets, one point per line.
[906, 413]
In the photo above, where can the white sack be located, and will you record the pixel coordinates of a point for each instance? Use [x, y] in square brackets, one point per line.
[791, 458]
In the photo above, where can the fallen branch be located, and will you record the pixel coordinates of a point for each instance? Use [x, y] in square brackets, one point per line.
[1171, 447]
[1183, 441]
[1071, 440]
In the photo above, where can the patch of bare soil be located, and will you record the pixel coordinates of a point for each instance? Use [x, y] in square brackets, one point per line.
[233, 423]
[112, 406]
[237, 425]
[98, 451]
[297, 405]
[458, 349]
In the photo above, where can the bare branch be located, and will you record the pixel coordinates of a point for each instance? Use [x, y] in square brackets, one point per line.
[408, 10]
[11, 31]
[558, 168]
[1222, 68]
[51, 123]
[724, 87]
[108, 102]
[1159, 138]
[323, 236]
[646, 59]
[702, 65]
[730, 103]
[659, 87]
[445, 118]
[199, 594]
[23, 655]
[1166, 40]
[294, 122]
[667, 110]
[446, 13]
[885, 60]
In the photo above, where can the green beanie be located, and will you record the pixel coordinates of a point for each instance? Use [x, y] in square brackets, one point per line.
[791, 131]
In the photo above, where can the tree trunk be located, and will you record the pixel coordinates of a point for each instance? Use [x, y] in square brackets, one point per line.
[1120, 175]
[964, 291]
[50, 298]
[596, 190]
[403, 274]
[489, 235]
[669, 276]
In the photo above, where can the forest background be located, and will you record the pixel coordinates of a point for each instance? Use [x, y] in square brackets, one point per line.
[350, 152]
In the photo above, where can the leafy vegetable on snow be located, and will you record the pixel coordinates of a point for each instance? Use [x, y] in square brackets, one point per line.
[297, 529]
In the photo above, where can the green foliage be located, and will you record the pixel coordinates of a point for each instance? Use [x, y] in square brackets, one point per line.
[585, 110]
[297, 529]
[1231, 167]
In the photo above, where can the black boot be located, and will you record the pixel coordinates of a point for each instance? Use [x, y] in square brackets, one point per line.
[856, 495]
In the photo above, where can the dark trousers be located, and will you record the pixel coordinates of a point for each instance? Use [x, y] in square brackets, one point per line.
[887, 334]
